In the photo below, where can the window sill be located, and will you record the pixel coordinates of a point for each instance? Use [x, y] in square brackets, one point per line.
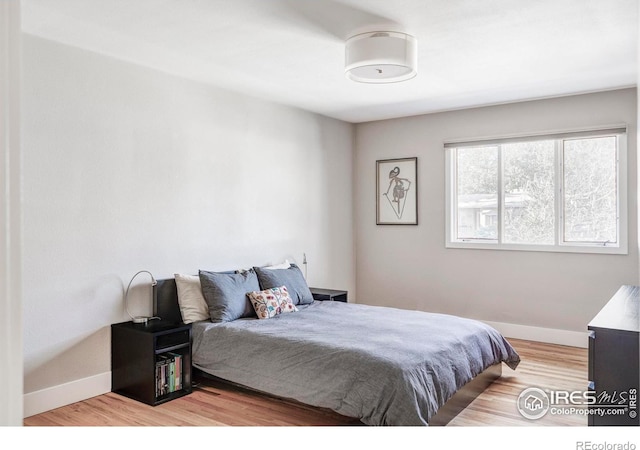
[603, 250]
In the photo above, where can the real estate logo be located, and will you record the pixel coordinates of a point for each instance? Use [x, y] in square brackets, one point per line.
[533, 403]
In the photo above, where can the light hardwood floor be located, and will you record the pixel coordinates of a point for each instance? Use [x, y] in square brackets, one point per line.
[545, 366]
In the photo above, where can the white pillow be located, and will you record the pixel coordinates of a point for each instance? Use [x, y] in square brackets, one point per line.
[193, 307]
[285, 265]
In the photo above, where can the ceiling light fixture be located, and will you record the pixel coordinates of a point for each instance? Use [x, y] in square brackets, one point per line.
[381, 57]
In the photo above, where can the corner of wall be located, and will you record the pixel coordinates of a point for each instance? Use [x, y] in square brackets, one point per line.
[10, 217]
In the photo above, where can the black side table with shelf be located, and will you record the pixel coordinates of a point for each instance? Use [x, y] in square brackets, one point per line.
[329, 295]
[151, 362]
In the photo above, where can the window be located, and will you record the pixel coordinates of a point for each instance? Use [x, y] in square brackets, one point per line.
[560, 192]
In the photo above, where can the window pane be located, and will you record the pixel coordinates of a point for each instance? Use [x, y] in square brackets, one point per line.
[477, 189]
[590, 184]
[529, 194]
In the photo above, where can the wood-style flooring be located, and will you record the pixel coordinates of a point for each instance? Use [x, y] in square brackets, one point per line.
[546, 366]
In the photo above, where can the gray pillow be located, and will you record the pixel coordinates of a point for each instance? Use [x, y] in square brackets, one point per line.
[292, 278]
[226, 294]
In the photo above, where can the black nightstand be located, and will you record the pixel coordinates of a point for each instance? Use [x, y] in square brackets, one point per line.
[329, 295]
[151, 362]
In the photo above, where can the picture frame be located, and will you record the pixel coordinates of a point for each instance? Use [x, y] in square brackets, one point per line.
[397, 191]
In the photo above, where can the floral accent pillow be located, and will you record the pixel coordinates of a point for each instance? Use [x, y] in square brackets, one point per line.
[271, 302]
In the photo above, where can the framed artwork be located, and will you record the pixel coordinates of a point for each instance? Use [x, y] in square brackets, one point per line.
[397, 191]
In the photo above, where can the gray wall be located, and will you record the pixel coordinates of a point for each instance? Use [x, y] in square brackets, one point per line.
[126, 168]
[409, 266]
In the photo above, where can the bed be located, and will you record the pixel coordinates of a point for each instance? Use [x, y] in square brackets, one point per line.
[382, 365]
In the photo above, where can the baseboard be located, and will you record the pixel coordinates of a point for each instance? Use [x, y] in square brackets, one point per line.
[539, 334]
[65, 394]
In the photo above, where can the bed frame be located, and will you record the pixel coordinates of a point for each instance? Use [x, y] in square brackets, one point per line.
[165, 306]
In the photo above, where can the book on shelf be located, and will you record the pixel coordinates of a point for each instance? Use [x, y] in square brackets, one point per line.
[177, 364]
[168, 373]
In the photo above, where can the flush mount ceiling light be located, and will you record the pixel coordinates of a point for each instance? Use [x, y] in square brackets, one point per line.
[381, 57]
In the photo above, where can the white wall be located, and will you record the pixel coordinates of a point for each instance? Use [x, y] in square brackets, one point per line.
[409, 266]
[126, 168]
[10, 218]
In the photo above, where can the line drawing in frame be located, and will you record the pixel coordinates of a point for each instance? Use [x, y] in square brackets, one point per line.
[397, 191]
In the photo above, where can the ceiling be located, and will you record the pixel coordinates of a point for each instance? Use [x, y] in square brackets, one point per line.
[470, 53]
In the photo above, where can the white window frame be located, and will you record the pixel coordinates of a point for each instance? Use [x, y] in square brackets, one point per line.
[621, 247]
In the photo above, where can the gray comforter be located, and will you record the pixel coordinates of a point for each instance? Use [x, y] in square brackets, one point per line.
[385, 366]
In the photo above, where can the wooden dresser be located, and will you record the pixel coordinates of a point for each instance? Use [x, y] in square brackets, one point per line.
[613, 359]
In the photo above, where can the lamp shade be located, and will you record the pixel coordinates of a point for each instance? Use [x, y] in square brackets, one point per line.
[381, 57]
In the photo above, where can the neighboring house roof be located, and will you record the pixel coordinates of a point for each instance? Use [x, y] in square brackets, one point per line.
[489, 201]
